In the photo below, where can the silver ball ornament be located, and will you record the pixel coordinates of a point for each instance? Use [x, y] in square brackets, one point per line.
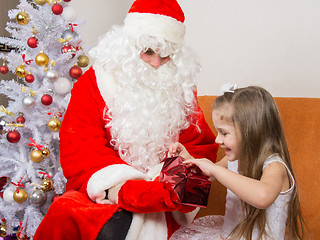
[52, 75]
[62, 86]
[37, 197]
[8, 195]
[28, 102]
[68, 34]
[69, 14]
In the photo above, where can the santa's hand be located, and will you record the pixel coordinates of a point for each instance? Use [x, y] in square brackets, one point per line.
[177, 149]
[146, 197]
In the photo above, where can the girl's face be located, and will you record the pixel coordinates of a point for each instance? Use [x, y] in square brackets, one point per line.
[228, 137]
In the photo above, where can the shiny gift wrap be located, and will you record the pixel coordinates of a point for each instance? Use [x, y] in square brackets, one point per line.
[190, 185]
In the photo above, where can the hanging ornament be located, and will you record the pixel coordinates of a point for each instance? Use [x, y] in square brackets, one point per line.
[23, 18]
[32, 42]
[75, 72]
[20, 195]
[42, 59]
[62, 86]
[46, 99]
[83, 61]
[69, 14]
[29, 78]
[21, 235]
[36, 156]
[8, 194]
[3, 229]
[28, 102]
[4, 69]
[13, 136]
[40, 2]
[37, 197]
[21, 71]
[52, 75]
[67, 0]
[21, 118]
[3, 182]
[57, 9]
[54, 124]
[47, 184]
[69, 34]
[68, 48]
[45, 152]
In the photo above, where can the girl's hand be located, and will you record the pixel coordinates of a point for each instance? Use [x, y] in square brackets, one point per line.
[205, 165]
[177, 149]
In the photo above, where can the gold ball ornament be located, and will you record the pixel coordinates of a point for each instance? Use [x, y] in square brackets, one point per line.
[42, 59]
[83, 61]
[20, 195]
[45, 152]
[40, 2]
[47, 184]
[36, 156]
[54, 124]
[23, 18]
[3, 230]
[21, 71]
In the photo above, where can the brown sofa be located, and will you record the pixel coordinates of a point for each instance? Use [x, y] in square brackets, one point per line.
[301, 120]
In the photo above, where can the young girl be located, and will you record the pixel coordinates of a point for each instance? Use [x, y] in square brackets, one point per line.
[262, 201]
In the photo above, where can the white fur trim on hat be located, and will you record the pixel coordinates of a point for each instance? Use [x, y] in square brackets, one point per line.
[155, 25]
[109, 177]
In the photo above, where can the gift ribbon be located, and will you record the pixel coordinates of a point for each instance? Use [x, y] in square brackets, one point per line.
[33, 143]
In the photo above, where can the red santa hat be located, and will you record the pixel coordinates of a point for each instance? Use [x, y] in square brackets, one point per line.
[158, 18]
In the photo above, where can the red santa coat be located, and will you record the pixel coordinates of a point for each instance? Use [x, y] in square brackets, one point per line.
[91, 166]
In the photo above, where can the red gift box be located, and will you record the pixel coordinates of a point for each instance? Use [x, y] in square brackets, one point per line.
[190, 185]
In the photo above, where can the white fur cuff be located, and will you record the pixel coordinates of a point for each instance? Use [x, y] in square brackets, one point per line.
[109, 177]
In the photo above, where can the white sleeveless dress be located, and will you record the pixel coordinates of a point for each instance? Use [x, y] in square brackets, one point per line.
[218, 227]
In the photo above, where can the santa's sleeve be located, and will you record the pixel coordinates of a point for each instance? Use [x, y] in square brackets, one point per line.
[88, 161]
[198, 139]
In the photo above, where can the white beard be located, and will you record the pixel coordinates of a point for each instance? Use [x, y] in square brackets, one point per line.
[147, 113]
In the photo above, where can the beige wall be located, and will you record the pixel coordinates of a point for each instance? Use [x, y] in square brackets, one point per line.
[274, 44]
[5, 6]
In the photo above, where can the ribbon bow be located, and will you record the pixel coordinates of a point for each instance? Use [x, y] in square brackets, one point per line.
[19, 184]
[24, 60]
[45, 174]
[33, 143]
[228, 87]
[3, 109]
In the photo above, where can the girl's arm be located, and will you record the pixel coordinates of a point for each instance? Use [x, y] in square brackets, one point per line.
[258, 193]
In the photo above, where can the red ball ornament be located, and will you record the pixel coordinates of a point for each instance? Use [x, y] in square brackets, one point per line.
[75, 72]
[29, 78]
[13, 136]
[32, 42]
[46, 99]
[67, 0]
[21, 119]
[68, 48]
[4, 69]
[57, 9]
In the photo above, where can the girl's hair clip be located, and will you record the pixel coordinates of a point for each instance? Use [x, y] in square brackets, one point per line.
[228, 87]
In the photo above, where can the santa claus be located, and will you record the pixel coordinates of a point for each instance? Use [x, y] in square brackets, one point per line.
[137, 99]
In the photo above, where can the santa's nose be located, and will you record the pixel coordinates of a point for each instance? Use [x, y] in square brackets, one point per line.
[154, 59]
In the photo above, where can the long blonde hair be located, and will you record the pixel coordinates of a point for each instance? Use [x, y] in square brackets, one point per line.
[257, 118]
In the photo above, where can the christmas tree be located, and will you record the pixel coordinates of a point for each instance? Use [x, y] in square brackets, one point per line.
[47, 60]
